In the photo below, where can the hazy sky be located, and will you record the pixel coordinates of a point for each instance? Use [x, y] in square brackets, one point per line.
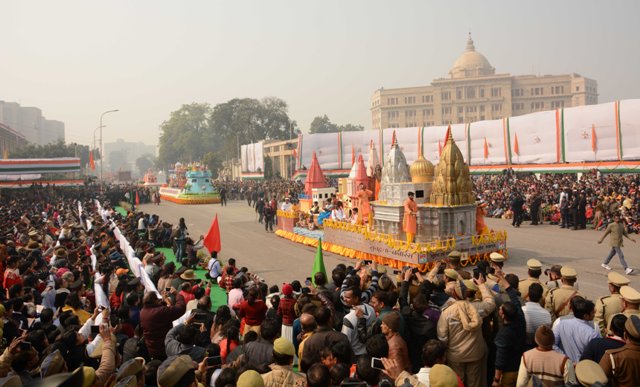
[76, 59]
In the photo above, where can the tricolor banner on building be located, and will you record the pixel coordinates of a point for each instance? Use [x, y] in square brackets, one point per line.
[31, 166]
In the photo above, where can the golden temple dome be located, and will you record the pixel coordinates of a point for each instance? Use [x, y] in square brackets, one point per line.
[471, 63]
[452, 184]
[421, 170]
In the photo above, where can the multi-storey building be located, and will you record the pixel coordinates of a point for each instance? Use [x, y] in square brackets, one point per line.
[29, 122]
[474, 92]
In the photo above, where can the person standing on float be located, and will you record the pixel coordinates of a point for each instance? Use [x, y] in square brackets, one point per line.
[410, 223]
[364, 208]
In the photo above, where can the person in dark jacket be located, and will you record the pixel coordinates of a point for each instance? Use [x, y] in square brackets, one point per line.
[597, 347]
[269, 213]
[516, 206]
[323, 337]
[181, 340]
[419, 326]
[510, 340]
[156, 319]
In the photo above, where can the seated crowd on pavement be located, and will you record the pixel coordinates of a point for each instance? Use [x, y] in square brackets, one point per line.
[61, 250]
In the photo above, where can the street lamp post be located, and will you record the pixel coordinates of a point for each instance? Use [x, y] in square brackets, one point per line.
[101, 149]
[94, 136]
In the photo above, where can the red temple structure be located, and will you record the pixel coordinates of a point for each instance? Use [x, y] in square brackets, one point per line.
[361, 173]
[315, 177]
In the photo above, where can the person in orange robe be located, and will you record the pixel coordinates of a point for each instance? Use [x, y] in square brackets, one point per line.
[364, 209]
[410, 223]
[481, 226]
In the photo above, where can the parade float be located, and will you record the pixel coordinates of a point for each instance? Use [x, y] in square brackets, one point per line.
[447, 217]
[190, 184]
[150, 179]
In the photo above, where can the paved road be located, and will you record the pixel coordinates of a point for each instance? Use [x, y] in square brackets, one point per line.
[279, 260]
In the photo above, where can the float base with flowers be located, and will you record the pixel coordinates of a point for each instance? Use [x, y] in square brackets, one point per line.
[354, 241]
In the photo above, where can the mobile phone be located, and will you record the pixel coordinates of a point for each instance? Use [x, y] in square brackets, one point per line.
[367, 262]
[214, 361]
[377, 363]
[25, 346]
[305, 290]
[307, 281]
[95, 330]
[167, 289]
[396, 272]
[414, 270]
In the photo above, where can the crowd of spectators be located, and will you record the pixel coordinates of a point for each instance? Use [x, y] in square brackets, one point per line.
[562, 199]
[62, 248]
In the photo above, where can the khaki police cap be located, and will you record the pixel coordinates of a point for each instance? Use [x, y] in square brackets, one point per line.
[470, 285]
[617, 279]
[568, 272]
[497, 257]
[451, 274]
[588, 373]
[534, 264]
[455, 255]
[630, 294]
[632, 326]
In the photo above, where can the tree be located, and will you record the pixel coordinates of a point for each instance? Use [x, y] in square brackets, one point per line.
[197, 129]
[324, 125]
[186, 136]
[213, 162]
[351, 128]
[144, 163]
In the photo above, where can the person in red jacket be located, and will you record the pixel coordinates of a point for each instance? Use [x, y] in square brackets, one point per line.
[286, 311]
[253, 310]
[156, 319]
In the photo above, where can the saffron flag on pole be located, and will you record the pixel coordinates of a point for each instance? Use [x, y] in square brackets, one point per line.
[92, 163]
[516, 147]
[212, 239]
[594, 138]
[318, 263]
[486, 149]
[353, 155]
[137, 199]
[439, 148]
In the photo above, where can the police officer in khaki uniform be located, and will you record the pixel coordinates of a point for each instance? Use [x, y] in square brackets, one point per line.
[535, 271]
[454, 263]
[558, 299]
[608, 306]
[621, 365]
[630, 301]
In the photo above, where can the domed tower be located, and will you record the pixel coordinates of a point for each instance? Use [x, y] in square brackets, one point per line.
[395, 169]
[452, 183]
[471, 63]
[421, 170]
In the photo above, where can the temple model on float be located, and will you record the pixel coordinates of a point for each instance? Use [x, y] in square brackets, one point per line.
[150, 179]
[190, 184]
[419, 213]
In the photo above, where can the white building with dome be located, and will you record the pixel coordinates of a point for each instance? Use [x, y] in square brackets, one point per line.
[474, 92]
